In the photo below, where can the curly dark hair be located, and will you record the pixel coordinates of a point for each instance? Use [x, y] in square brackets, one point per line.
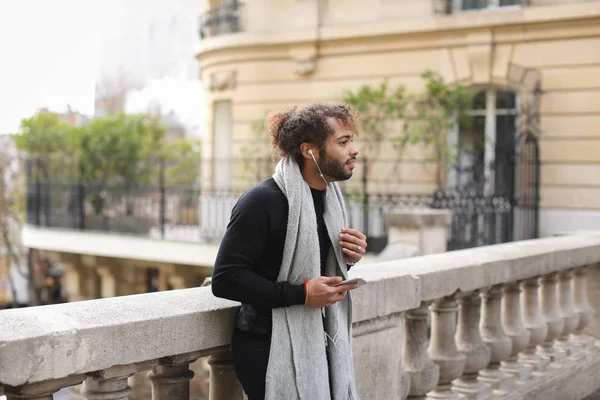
[290, 127]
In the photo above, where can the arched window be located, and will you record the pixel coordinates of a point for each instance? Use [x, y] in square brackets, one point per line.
[485, 150]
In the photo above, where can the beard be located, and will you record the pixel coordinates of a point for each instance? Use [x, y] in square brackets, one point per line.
[333, 168]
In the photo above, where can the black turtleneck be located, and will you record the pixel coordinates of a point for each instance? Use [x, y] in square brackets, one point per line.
[324, 242]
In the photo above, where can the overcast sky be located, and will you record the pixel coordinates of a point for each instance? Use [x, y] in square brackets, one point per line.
[48, 51]
[49, 55]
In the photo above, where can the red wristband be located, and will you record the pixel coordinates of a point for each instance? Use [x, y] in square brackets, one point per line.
[305, 292]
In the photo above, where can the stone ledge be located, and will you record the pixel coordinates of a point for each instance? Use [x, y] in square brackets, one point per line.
[51, 342]
[387, 292]
[466, 270]
[119, 246]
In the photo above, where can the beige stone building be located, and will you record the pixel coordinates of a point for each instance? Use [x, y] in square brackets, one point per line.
[540, 56]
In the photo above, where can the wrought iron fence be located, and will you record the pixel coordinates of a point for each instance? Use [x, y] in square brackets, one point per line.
[157, 207]
[174, 212]
[484, 212]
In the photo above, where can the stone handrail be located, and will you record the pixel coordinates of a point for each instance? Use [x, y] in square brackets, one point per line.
[491, 326]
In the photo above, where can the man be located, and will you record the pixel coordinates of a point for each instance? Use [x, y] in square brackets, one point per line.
[285, 246]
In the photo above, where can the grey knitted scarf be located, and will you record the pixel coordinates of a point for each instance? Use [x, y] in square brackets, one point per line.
[303, 363]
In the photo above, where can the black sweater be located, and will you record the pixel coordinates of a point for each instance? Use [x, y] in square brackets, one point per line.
[250, 255]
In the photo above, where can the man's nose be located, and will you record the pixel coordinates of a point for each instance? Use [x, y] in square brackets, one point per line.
[354, 150]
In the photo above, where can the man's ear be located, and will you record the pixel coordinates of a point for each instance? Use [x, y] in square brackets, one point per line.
[305, 149]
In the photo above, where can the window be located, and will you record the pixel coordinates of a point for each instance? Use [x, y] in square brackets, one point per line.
[469, 5]
[486, 148]
[223, 127]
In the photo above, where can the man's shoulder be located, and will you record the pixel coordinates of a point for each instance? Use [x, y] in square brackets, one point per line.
[264, 195]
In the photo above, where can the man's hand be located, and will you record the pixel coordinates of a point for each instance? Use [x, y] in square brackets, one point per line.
[322, 294]
[353, 244]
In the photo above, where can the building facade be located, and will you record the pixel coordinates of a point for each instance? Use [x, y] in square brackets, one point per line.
[537, 58]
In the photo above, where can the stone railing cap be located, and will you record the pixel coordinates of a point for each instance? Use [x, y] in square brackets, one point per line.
[52, 342]
[478, 268]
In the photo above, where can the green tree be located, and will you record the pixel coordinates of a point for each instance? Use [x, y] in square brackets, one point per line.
[43, 135]
[12, 202]
[47, 141]
[437, 111]
[378, 107]
[182, 161]
[119, 149]
[256, 153]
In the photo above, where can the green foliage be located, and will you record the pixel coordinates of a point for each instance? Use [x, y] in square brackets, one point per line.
[43, 135]
[119, 149]
[427, 117]
[255, 147]
[436, 112]
[48, 140]
[377, 106]
[255, 153]
[182, 160]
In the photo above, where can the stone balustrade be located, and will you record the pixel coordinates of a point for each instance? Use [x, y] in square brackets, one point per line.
[497, 322]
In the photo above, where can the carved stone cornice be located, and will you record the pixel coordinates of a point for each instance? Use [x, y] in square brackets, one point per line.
[305, 67]
[222, 80]
[304, 57]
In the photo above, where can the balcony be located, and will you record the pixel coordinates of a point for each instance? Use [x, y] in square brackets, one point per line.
[220, 20]
[507, 322]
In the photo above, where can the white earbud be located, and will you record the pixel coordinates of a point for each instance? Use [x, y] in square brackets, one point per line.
[310, 151]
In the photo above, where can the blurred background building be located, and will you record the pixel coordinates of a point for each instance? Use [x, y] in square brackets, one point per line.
[530, 59]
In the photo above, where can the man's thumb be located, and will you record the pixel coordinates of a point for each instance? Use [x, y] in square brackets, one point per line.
[334, 280]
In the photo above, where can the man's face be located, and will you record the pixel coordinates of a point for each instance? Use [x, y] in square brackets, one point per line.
[338, 155]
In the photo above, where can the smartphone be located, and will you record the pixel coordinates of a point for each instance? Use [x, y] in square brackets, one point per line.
[352, 281]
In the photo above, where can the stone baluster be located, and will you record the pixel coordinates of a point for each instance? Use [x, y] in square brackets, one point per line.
[223, 383]
[25, 393]
[105, 389]
[111, 383]
[442, 349]
[534, 323]
[170, 378]
[424, 373]
[514, 329]
[469, 343]
[549, 307]
[493, 335]
[582, 308]
[567, 311]
[41, 390]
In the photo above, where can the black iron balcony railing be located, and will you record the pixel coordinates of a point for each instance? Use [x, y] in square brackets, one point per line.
[220, 20]
[186, 212]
